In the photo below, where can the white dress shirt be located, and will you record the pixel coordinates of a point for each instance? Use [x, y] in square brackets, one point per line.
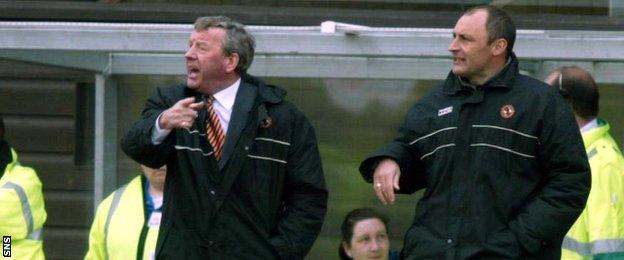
[223, 104]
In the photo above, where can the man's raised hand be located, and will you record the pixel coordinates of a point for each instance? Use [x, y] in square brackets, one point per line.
[180, 115]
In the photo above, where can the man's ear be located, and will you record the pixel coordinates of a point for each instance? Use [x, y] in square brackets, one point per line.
[499, 46]
[347, 249]
[233, 61]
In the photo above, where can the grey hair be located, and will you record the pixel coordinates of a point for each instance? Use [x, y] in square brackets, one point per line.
[237, 39]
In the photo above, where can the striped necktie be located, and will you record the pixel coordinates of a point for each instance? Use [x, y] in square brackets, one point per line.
[214, 132]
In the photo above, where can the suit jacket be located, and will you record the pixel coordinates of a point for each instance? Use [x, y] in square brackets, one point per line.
[265, 199]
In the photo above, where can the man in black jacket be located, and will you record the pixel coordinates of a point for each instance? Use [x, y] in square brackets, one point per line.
[244, 176]
[498, 153]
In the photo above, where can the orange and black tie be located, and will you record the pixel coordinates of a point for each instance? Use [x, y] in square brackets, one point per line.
[214, 132]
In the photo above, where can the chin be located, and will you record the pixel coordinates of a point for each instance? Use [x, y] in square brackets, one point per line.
[191, 84]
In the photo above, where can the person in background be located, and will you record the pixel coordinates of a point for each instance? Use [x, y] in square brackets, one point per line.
[126, 223]
[365, 236]
[599, 232]
[22, 213]
[503, 167]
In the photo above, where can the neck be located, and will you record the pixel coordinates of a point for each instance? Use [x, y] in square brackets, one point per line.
[496, 66]
[155, 191]
[227, 81]
[581, 122]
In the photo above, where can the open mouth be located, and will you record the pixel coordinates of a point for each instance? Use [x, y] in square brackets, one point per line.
[192, 70]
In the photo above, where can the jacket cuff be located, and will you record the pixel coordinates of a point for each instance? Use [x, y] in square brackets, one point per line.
[368, 166]
[394, 150]
[282, 250]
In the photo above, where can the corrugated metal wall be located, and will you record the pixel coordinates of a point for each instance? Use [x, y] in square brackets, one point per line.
[44, 110]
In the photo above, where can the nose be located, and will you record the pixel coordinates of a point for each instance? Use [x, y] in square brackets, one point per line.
[375, 245]
[190, 53]
[453, 46]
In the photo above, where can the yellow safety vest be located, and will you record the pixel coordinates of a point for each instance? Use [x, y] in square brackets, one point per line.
[120, 226]
[23, 213]
[599, 232]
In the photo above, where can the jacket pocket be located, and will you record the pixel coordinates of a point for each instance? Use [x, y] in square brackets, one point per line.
[268, 159]
[505, 140]
[270, 150]
[501, 244]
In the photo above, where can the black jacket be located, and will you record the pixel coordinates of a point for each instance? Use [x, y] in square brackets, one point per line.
[503, 167]
[265, 198]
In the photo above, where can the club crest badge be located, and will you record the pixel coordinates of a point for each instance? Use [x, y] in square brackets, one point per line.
[266, 122]
[507, 111]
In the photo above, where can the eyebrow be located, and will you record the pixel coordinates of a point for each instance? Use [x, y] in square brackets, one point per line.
[199, 43]
[465, 36]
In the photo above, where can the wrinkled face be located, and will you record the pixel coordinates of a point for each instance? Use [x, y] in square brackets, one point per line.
[206, 63]
[470, 49]
[369, 241]
[156, 177]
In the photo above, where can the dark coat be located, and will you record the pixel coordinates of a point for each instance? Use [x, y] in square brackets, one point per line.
[503, 167]
[265, 198]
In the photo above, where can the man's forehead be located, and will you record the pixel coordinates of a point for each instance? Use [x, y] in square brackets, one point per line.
[471, 23]
[207, 34]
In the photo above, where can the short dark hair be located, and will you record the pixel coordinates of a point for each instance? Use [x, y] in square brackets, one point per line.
[237, 39]
[1, 128]
[578, 87]
[353, 218]
[498, 25]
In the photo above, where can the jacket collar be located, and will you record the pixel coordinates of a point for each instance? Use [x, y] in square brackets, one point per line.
[593, 135]
[267, 93]
[6, 156]
[252, 93]
[227, 96]
[504, 79]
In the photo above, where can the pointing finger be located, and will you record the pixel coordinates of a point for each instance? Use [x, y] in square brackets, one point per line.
[196, 106]
[186, 102]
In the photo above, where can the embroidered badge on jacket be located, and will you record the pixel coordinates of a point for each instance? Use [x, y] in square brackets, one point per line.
[445, 111]
[507, 111]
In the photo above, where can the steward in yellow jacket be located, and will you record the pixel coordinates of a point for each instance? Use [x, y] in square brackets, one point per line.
[127, 222]
[598, 233]
[22, 212]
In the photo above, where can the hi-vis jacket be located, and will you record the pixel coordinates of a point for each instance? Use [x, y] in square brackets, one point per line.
[120, 229]
[599, 232]
[23, 213]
